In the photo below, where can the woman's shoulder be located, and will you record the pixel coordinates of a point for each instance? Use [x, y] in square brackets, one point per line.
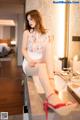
[26, 32]
[47, 33]
[49, 36]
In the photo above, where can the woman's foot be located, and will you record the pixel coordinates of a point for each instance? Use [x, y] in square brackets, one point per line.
[54, 102]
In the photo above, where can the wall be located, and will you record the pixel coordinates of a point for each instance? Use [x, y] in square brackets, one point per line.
[12, 32]
[19, 35]
[4, 32]
[1, 32]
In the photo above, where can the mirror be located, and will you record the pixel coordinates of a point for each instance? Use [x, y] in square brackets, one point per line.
[74, 31]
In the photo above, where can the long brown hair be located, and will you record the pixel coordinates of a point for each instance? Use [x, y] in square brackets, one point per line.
[37, 17]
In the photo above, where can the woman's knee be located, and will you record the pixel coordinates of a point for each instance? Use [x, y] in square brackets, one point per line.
[29, 70]
[41, 65]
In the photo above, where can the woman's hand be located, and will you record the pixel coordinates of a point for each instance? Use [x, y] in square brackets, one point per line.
[31, 63]
[39, 61]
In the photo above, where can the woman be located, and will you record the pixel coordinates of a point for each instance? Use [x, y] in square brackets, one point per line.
[36, 49]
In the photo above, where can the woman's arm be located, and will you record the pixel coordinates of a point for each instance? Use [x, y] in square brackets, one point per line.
[24, 48]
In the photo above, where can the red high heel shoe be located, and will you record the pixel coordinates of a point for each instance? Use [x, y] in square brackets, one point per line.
[56, 107]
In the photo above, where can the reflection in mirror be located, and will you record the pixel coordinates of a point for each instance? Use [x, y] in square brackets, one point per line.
[74, 31]
[72, 37]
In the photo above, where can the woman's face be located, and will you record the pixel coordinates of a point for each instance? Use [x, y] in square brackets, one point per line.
[32, 22]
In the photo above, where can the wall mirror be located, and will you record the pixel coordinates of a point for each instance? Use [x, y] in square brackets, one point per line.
[73, 30]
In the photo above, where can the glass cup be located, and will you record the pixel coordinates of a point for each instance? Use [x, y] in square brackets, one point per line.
[69, 71]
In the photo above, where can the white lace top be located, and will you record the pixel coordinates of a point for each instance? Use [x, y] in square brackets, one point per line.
[37, 44]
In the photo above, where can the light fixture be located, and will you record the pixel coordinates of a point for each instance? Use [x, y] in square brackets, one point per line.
[7, 22]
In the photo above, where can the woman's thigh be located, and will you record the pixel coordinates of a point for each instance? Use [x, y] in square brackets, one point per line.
[29, 70]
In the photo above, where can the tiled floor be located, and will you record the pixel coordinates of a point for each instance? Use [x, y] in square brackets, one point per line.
[25, 116]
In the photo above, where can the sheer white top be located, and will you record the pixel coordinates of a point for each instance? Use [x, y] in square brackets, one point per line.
[37, 45]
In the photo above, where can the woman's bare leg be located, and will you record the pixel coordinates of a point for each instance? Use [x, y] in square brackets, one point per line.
[49, 63]
[44, 78]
